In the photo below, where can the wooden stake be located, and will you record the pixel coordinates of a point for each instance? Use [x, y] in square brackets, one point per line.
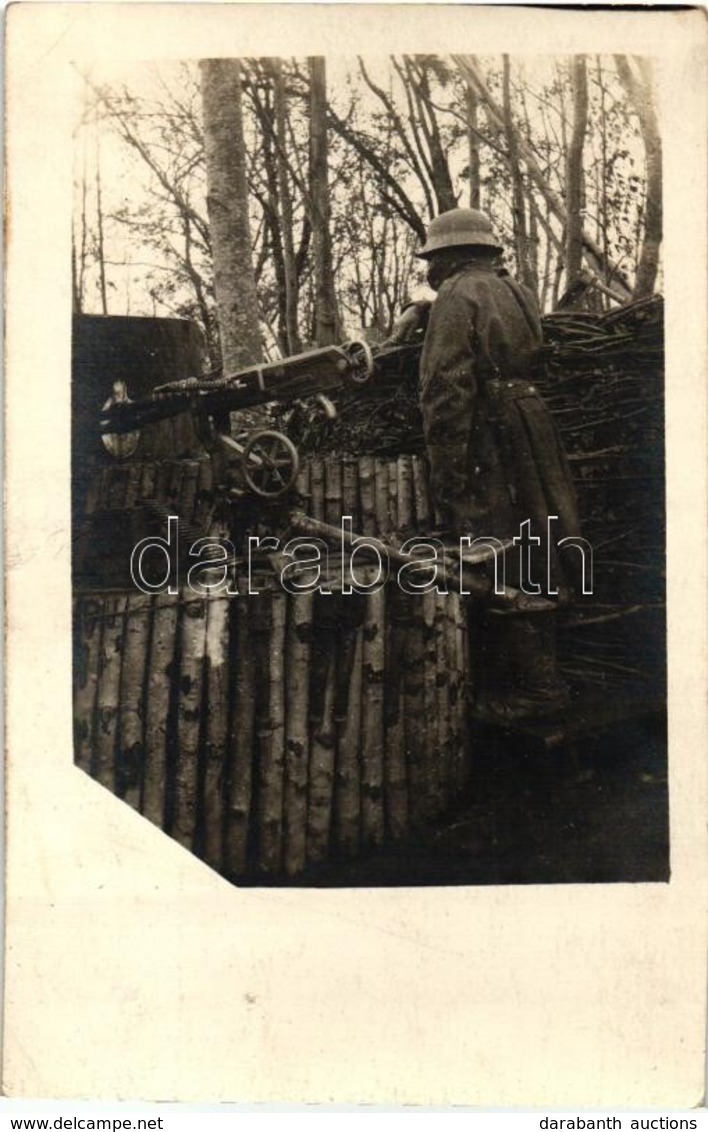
[160, 715]
[461, 642]
[297, 739]
[241, 735]
[302, 484]
[93, 493]
[132, 489]
[384, 525]
[422, 509]
[347, 796]
[174, 487]
[442, 698]
[162, 479]
[350, 491]
[204, 503]
[216, 728]
[367, 495]
[414, 712]
[393, 495]
[189, 718]
[433, 772]
[456, 686]
[322, 735]
[130, 757]
[317, 508]
[271, 738]
[333, 490]
[396, 792]
[373, 657]
[99, 498]
[148, 480]
[404, 491]
[118, 487]
[188, 490]
[108, 696]
[88, 624]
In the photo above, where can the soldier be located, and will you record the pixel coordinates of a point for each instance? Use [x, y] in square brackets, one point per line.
[496, 460]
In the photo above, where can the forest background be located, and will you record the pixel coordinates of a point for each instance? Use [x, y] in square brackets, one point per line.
[297, 190]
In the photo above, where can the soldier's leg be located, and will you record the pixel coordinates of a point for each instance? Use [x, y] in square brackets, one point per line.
[519, 675]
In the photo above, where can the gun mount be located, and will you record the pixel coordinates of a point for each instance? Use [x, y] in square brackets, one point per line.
[268, 459]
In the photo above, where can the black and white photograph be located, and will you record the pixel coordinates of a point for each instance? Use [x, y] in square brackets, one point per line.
[356, 580]
[368, 464]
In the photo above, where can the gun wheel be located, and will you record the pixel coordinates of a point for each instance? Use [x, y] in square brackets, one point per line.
[270, 464]
[361, 361]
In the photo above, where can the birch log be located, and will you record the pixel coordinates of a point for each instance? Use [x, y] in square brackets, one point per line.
[404, 492]
[188, 490]
[108, 696]
[434, 771]
[350, 491]
[88, 623]
[322, 736]
[333, 490]
[372, 736]
[271, 737]
[317, 489]
[130, 758]
[347, 777]
[216, 729]
[367, 495]
[189, 719]
[443, 664]
[160, 707]
[395, 773]
[384, 526]
[297, 739]
[461, 731]
[414, 711]
[239, 784]
[423, 513]
[393, 495]
[148, 481]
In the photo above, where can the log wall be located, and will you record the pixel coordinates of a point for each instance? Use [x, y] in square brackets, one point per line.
[269, 732]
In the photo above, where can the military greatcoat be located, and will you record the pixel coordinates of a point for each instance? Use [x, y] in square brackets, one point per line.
[496, 459]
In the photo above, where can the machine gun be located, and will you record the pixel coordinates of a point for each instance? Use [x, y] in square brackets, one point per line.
[268, 459]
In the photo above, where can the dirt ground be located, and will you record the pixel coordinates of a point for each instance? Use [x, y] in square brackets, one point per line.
[595, 813]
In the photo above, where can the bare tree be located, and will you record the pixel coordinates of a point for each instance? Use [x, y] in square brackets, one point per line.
[525, 268]
[574, 172]
[638, 85]
[326, 317]
[227, 202]
[471, 70]
[471, 107]
[100, 243]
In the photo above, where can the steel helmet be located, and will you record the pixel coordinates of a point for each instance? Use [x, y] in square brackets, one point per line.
[460, 227]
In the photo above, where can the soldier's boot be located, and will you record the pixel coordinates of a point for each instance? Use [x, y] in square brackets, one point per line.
[518, 675]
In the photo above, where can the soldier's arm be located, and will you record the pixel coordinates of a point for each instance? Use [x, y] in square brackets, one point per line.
[411, 324]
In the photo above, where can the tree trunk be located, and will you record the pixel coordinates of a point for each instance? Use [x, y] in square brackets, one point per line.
[424, 121]
[526, 274]
[100, 252]
[639, 90]
[326, 318]
[472, 105]
[286, 211]
[574, 172]
[227, 203]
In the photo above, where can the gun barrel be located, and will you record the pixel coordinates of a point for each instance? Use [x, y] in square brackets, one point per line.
[325, 370]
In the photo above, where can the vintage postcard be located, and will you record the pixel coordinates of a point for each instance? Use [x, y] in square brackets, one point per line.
[356, 422]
